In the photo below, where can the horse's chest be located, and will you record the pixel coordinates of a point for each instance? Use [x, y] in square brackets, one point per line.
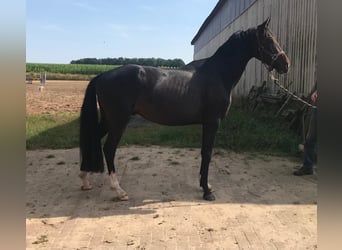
[224, 106]
[218, 102]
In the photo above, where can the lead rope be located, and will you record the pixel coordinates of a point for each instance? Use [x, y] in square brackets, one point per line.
[276, 82]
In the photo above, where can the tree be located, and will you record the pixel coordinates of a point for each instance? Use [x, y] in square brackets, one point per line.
[156, 62]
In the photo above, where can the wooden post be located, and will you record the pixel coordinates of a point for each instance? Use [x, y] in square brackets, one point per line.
[42, 81]
[42, 78]
[283, 106]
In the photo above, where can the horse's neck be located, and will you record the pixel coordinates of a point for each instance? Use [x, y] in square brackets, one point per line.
[231, 59]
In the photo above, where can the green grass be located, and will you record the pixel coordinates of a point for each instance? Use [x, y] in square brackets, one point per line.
[260, 131]
[52, 131]
[240, 131]
[61, 131]
[175, 136]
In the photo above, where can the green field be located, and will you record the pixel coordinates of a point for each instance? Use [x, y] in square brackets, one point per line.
[240, 131]
[66, 71]
[82, 69]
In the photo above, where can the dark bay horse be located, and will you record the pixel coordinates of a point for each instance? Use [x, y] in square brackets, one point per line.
[171, 97]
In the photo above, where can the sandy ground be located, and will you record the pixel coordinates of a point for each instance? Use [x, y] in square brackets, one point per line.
[57, 96]
[259, 203]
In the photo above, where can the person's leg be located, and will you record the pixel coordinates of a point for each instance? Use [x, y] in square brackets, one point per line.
[309, 147]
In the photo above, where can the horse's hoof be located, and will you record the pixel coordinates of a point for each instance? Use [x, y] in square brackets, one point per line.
[123, 197]
[86, 188]
[209, 197]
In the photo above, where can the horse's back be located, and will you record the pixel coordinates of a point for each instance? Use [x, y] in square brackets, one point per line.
[127, 76]
[161, 95]
[120, 86]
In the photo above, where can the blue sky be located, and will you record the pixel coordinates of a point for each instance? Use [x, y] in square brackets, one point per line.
[58, 31]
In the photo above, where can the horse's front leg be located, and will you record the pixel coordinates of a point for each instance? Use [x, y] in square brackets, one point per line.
[115, 186]
[208, 137]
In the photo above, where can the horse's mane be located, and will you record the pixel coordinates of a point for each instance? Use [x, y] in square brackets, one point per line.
[226, 49]
[235, 40]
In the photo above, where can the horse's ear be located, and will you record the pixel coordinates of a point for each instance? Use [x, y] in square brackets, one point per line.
[265, 23]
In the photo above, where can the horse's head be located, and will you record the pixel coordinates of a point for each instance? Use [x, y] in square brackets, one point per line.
[269, 51]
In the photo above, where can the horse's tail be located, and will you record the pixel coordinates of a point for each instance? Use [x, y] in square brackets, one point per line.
[90, 138]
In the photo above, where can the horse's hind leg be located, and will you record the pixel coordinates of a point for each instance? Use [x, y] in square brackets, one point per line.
[83, 175]
[109, 152]
[86, 185]
[115, 132]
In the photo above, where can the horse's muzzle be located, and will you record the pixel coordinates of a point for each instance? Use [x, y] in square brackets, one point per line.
[282, 64]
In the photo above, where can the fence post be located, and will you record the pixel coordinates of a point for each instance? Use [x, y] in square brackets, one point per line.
[42, 78]
[42, 81]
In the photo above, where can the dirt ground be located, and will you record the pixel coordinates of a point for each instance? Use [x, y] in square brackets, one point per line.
[259, 203]
[57, 96]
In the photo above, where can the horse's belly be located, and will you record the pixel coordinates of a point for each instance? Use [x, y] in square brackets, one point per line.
[169, 112]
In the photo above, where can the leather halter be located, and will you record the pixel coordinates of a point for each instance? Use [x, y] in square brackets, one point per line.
[262, 51]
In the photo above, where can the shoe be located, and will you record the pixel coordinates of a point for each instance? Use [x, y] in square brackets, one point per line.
[303, 171]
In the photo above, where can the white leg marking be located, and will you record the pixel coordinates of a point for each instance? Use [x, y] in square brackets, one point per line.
[86, 185]
[114, 185]
[210, 187]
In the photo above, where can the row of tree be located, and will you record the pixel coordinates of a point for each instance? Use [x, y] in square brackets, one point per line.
[156, 62]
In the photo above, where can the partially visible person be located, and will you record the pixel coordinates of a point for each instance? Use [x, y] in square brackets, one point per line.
[310, 144]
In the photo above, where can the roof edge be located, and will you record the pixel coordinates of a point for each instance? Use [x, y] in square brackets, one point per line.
[207, 20]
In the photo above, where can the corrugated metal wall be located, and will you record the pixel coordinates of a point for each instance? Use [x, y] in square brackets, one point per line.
[293, 22]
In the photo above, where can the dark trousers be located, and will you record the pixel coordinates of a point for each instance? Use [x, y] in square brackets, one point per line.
[310, 145]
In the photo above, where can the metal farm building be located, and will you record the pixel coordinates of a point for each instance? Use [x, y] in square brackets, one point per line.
[294, 24]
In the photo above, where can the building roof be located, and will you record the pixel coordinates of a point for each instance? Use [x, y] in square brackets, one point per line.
[208, 19]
